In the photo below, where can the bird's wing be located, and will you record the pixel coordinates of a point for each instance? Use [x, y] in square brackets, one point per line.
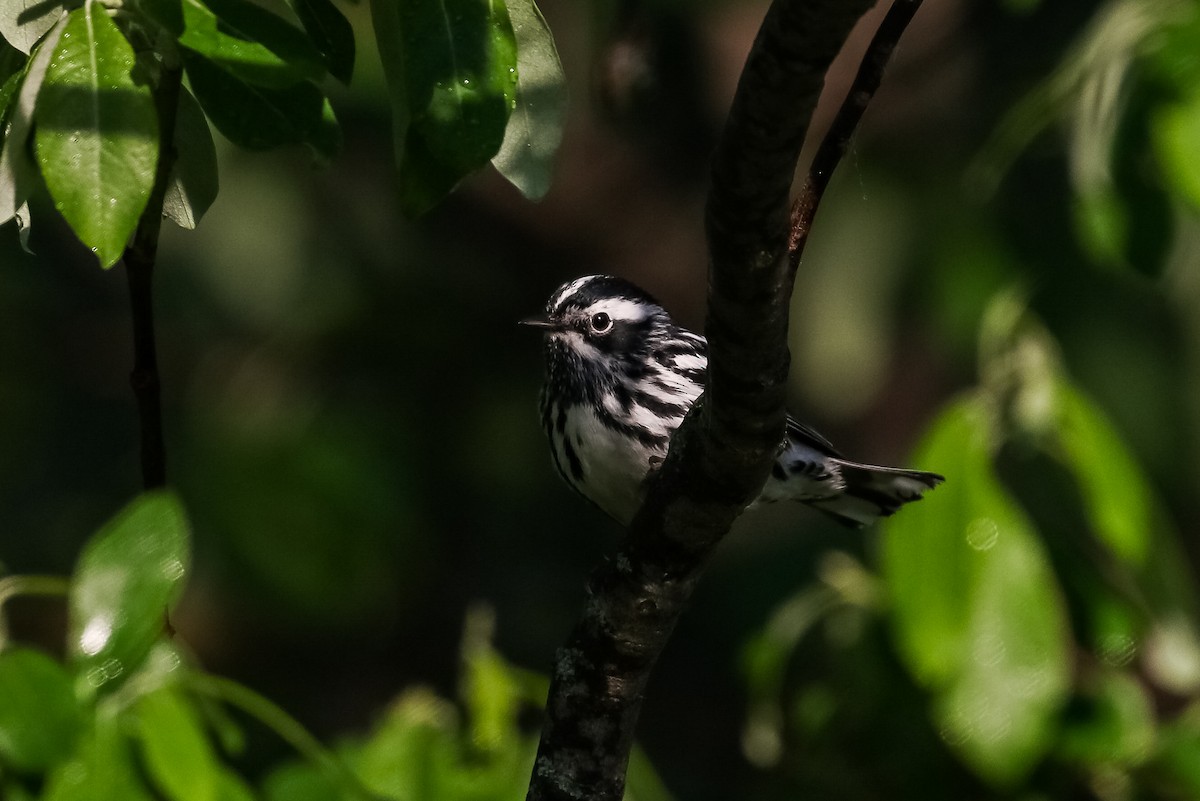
[805, 435]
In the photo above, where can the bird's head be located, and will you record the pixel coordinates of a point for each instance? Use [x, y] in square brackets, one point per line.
[600, 318]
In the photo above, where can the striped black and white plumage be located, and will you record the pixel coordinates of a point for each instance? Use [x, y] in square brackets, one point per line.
[621, 375]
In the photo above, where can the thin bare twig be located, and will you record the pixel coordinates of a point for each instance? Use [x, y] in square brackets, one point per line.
[721, 455]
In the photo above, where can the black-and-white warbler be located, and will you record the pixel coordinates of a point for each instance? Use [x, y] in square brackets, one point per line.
[621, 375]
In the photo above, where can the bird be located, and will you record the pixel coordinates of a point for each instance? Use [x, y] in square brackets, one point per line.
[620, 375]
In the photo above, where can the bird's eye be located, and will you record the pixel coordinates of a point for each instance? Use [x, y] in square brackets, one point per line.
[601, 322]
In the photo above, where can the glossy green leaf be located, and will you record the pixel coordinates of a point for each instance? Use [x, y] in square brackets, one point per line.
[24, 22]
[1115, 492]
[102, 768]
[96, 133]
[39, 717]
[178, 755]
[331, 32]
[257, 46]
[451, 68]
[534, 131]
[977, 612]
[17, 172]
[259, 117]
[194, 178]
[128, 576]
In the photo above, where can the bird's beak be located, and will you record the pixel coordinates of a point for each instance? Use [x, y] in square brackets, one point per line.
[539, 322]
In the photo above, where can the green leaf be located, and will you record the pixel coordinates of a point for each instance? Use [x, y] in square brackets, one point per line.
[331, 32]
[1177, 763]
[97, 133]
[39, 717]
[1176, 131]
[1112, 724]
[398, 760]
[167, 13]
[17, 172]
[250, 42]
[977, 612]
[24, 22]
[451, 69]
[534, 131]
[194, 177]
[128, 576]
[178, 755]
[259, 117]
[1116, 495]
[101, 769]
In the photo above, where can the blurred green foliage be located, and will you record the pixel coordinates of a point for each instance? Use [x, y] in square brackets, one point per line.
[351, 427]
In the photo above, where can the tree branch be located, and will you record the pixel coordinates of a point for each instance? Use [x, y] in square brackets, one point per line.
[721, 455]
[837, 138]
[139, 258]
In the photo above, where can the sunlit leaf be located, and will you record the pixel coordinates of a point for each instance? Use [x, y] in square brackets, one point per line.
[23, 22]
[1115, 492]
[178, 755]
[330, 32]
[194, 178]
[451, 69]
[977, 611]
[39, 716]
[126, 580]
[259, 117]
[1177, 141]
[526, 156]
[250, 42]
[490, 691]
[17, 172]
[398, 759]
[96, 133]
[102, 768]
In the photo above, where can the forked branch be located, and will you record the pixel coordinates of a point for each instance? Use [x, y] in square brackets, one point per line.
[721, 455]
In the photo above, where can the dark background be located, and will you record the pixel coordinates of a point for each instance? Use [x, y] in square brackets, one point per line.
[350, 406]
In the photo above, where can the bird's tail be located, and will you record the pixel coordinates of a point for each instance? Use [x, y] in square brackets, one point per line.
[873, 492]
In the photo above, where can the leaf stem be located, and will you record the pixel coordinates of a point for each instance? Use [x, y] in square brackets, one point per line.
[277, 720]
[13, 586]
[140, 258]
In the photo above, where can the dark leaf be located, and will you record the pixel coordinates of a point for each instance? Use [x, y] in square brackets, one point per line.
[194, 178]
[331, 32]
[258, 117]
[451, 69]
[250, 42]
